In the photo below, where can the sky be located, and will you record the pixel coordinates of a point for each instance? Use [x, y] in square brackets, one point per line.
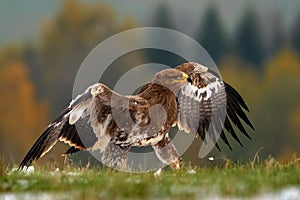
[22, 20]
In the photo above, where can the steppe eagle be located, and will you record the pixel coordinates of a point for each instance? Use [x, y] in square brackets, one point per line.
[186, 96]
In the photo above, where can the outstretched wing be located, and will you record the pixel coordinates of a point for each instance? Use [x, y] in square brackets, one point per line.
[86, 124]
[208, 105]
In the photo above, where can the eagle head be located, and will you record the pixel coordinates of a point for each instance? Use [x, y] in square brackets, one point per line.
[172, 79]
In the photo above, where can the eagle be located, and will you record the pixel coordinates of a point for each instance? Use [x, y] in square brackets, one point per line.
[190, 96]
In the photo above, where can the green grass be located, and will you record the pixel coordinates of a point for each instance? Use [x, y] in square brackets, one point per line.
[83, 183]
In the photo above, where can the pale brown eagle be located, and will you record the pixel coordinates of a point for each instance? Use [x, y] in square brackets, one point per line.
[186, 96]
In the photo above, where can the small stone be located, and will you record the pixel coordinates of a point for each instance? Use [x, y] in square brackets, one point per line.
[211, 158]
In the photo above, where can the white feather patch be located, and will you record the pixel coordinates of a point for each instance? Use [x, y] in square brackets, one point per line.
[198, 93]
[100, 132]
[74, 100]
[101, 143]
[75, 114]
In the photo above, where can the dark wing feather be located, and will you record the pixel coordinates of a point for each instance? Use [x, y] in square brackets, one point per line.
[62, 130]
[236, 103]
[87, 123]
[208, 105]
[46, 141]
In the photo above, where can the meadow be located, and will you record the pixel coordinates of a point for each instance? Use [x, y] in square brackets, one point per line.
[265, 180]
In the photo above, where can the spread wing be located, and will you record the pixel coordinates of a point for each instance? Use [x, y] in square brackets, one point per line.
[208, 105]
[86, 124]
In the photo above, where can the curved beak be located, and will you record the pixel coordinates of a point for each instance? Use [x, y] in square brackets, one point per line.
[185, 77]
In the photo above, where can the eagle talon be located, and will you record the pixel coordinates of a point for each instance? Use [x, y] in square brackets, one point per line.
[177, 164]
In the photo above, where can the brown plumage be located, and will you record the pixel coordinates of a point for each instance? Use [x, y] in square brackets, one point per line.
[101, 119]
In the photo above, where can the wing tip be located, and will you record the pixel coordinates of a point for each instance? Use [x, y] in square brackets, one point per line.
[24, 164]
[218, 147]
[39, 148]
[230, 90]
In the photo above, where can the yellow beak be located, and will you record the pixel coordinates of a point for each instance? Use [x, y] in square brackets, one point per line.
[185, 76]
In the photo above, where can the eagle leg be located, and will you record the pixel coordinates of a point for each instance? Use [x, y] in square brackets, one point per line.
[167, 153]
[115, 155]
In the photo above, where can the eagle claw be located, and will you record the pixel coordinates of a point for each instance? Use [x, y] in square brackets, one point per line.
[176, 165]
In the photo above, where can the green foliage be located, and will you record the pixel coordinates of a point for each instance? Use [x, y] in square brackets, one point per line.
[229, 181]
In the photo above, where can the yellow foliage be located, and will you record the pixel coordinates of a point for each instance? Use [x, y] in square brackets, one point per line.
[22, 116]
[284, 67]
[79, 23]
[127, 24]
[294, 124]
[241, 78]
[281, 94]
[272, 97]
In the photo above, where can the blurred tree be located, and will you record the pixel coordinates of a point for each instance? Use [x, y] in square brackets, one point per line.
[163, 19]
[31, 60]
[22, 116]
[10, 54]
[52, 65]
[281, 94]
[294, 127]
[248, 41]
[272, 100]
[240, 77]
[127, 24]
[67, 39]
[212, 35]
[295, 35]
[275, 35]
[245, 81]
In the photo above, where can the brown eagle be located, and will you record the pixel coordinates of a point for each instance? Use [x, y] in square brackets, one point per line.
[188, 96]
